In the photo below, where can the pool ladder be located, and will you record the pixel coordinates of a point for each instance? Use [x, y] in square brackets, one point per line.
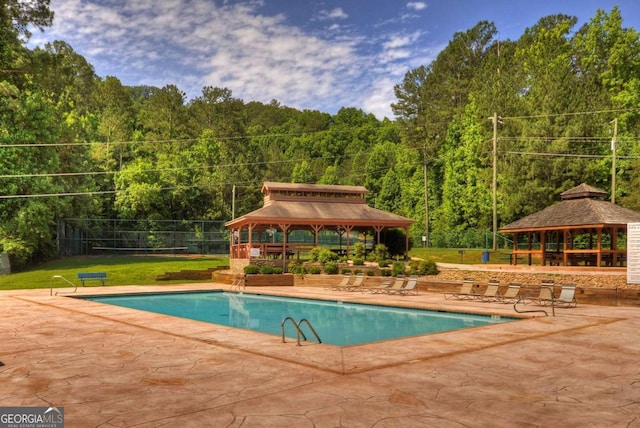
[75, 287]
[238, 285]
[528, 295]
[299, 329]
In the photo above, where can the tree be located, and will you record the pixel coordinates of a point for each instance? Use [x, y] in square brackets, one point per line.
[27, 224]
[390, 196]
[302, 173]
[217, 110]
[164, 115]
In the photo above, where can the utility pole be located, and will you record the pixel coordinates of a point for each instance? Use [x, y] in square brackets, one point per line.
[495, 180]
[426, 199]
[614, 147]
[233, 203]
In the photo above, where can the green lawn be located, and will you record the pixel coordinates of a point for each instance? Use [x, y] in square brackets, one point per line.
[130, 270]
[139, 270]
[463, 256]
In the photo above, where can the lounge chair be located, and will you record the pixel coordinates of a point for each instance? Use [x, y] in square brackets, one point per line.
[356, 285]
[546, 296]
[567, 296]
[465, 292]
[409, 288]
[491, 294]
[384, 287]
[548, 282]
[344, 283]
[511, 295]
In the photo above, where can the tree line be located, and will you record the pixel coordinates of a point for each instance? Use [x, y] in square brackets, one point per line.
[73, 144]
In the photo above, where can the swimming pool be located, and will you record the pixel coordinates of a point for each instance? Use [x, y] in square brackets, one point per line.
[337, 323]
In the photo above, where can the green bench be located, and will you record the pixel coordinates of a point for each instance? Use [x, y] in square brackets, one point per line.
[89, 276]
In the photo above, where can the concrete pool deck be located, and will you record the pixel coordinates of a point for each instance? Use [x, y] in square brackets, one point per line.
[117, 367]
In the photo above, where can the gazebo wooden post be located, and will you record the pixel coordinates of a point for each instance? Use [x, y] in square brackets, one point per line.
[250, 240]
[284, 228]
[514, 251]
[565, 239]
[543, 246]
[406, 242]
[378, 229]
[316, 228]
[614, 246]
[599, 254]
[231, 242]
[347, 230]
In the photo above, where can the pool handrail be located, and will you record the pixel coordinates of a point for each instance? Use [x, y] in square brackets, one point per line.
[299, 331]
[75, 286]
[528, 295]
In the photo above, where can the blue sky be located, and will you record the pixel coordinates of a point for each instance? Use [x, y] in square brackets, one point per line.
[314, 54]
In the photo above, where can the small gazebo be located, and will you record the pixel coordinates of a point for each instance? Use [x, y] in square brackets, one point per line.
[311, 207]
[583, 229]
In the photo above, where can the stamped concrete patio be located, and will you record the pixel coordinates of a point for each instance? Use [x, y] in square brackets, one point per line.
[117, 367]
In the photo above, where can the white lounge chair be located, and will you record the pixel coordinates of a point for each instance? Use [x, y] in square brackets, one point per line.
[567, 297]
[344, 283]
[356, 285]
[466, 291]
[491, 294]
[385, 286]
[511, 295]
[409, 288]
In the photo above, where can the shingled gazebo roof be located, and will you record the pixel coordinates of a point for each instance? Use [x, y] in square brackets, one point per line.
[329, 205]
[578, 208]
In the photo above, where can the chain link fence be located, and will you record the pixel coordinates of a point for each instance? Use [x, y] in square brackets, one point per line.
[116, 236]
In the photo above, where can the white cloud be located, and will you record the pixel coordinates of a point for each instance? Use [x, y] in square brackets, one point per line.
[336, 13]
[416, 5]
[258, 56]
[379, 100]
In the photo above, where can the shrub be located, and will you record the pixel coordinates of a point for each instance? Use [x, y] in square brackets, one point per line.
[357, 271]
[314, 254]
[371, 257]
[315, 270]
[394, 240]
[370, 272]
[423, 267]
[326, 256]
[298, 269]
[277, 271]
[357, 261]
[385, 272]
[381, 252]
[359, 250]
[384, 262]
[398, 268]
[346, 271]
[331, 268]
[266, 270]
[251, 269]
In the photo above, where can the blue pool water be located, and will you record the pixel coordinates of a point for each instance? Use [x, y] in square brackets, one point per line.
[336, 323]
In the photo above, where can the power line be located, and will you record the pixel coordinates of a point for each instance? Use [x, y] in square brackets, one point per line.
[537, 116]
[566, 155]
[173, 140]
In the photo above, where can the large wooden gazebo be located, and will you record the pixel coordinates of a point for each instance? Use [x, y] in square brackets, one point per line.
[581, 230]
[312, 207]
